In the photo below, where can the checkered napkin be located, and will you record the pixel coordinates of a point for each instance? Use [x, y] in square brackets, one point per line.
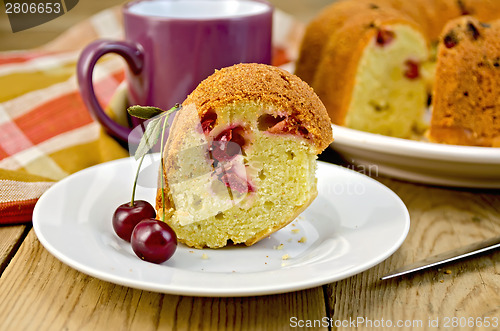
[46, 132]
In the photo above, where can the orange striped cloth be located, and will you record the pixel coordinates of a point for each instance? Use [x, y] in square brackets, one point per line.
[46, 132]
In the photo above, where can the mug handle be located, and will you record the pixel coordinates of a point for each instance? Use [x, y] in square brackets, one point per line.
[133, 55]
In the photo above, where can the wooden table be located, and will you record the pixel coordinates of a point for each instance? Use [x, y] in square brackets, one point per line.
[37, 292]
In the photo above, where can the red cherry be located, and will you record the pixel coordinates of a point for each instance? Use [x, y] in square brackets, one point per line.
[126, 217]
[153, 241]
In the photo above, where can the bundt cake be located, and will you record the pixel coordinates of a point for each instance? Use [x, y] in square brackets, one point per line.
[372, 62]
[466, 105]
[484, 10]
[380, 86]
[240, 159]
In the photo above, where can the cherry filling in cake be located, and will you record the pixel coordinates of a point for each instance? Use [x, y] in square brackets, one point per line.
[240, 160]
[226, 143]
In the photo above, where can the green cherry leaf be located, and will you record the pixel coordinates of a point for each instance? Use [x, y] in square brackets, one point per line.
[144, 112]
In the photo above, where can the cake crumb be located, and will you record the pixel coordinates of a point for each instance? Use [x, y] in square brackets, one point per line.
[285, 257]
[441, 281]
[295, 230]
[303, 240]
[448, 271]
[279, 247]
[204, 256]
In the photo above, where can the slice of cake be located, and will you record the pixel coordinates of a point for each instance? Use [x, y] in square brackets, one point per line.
[318, 32]
[466, 104]
[240, 160]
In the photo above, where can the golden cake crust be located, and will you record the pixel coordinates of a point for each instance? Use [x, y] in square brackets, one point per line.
[269, 85]
[267, 232]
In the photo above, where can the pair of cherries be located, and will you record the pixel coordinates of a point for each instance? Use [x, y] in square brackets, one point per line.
[152, 240]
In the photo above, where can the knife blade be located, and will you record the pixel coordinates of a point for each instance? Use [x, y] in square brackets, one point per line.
[446, 257]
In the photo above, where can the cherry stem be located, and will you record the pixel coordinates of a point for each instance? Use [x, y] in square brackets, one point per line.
[135, 181]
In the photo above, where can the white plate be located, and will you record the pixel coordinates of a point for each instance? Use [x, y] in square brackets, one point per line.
[424, 162]
[354, 224]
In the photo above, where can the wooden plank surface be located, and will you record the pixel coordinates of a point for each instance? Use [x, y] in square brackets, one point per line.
[10, 239]
[441, 219]
[37, 292]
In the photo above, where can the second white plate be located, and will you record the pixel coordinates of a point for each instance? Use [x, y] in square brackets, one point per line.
[354, 224]
[423, 162]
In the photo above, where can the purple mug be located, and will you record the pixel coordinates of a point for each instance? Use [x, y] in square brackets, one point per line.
[171, 46]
